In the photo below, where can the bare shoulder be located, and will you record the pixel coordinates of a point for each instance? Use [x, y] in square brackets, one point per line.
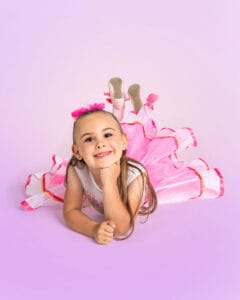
[73, 180]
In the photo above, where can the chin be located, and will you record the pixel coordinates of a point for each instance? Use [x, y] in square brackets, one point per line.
[106, 163]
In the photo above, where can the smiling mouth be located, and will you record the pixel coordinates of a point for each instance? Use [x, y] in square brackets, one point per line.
[102, 154]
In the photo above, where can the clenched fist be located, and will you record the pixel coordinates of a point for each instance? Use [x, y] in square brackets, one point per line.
[104, 232]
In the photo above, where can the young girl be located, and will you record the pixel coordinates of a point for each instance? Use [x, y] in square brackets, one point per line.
[105, 169]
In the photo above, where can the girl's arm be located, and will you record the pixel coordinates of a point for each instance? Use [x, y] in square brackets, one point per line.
[78, 221]
[73, 216]
[114, 208]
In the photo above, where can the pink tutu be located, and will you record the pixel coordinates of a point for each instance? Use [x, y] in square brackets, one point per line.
[173, 180]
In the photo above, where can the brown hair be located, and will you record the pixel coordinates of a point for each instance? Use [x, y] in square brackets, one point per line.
[125, 162]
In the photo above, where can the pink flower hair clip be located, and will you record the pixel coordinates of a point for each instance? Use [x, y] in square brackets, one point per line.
[95, 106]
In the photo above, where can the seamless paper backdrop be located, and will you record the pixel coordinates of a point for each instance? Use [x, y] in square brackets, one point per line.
[59, 55]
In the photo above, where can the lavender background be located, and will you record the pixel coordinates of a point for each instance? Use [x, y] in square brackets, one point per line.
[58, 55]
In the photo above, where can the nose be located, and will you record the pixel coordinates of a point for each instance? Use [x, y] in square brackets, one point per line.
[100, 145]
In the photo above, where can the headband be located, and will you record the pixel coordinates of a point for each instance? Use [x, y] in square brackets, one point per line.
[82, 110]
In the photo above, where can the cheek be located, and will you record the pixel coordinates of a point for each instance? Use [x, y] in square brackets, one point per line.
[83, 149]
[119, 147]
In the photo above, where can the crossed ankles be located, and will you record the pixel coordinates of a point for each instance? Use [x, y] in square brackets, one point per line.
[117, 95]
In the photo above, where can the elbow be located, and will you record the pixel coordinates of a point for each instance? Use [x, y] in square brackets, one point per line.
[121, 231]
[67, 218]
[65, 215]
[123, 227]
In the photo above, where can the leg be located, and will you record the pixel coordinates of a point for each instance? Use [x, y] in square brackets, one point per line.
[117, 96]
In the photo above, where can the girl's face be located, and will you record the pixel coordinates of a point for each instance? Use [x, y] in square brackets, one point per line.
[99, 141]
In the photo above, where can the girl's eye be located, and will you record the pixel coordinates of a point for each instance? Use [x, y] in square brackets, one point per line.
[107, 135]
[88, 140]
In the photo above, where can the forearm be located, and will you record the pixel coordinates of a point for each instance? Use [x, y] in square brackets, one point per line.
[81, 223]
[115, 210]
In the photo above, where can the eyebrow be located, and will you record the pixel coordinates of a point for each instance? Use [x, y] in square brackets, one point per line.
[91, 133]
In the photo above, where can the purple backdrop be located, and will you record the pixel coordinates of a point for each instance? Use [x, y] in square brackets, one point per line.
[57, 55]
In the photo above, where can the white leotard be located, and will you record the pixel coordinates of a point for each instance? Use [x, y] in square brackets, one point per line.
[93, 193]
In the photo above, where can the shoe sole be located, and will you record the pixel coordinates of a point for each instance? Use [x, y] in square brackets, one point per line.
[134, 94]
[117, 87]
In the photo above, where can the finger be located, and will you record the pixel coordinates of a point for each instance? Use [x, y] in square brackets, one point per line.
[108, 235]
[106, 231]
[103, 168]
[107, 226]
[112, 224]
[109, 229]
[105, 241]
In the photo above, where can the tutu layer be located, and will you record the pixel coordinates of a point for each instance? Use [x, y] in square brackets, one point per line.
[173, 180]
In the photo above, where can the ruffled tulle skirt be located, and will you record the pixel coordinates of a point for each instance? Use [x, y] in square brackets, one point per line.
[173, 180]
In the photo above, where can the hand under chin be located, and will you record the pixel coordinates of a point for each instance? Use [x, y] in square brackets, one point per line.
[109, 165]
